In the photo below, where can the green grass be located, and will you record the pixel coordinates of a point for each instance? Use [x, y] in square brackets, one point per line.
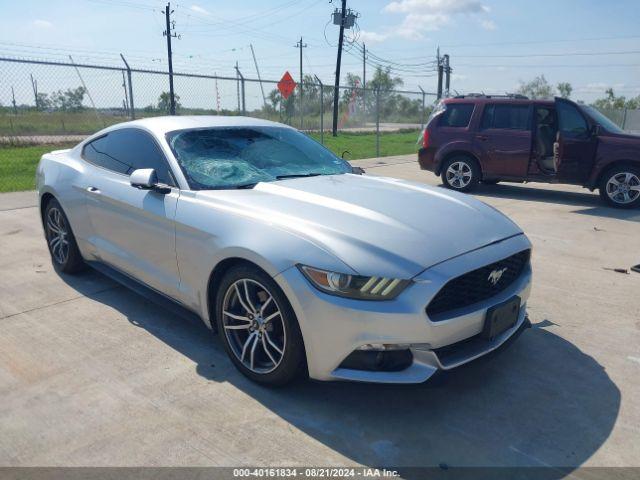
[18, 163]
[363, 145]
[18, 166]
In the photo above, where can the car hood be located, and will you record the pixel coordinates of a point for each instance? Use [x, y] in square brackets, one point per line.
[375, 225]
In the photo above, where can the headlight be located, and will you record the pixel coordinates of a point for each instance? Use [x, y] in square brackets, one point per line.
[354, 286]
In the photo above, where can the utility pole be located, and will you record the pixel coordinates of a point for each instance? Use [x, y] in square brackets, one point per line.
[346, 19]
[447, 72]
[440, 70]
[167, 33]
[364, 81]
[34, 85]
[336, 88]
[13, 101]
[300, 46]
[264, 98]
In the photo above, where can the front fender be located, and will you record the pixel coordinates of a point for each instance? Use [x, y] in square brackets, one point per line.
[206, 236]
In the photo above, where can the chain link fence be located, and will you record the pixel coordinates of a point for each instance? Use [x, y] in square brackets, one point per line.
[57, 102]
[626, 118]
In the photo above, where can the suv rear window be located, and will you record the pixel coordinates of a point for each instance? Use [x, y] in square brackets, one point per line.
[456, 115]
[510, 117]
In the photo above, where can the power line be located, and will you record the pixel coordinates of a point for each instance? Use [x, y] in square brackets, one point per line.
[536, 42]
[564, 54]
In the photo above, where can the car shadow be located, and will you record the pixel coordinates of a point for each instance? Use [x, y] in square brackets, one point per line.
[591, 201]
[539, 403]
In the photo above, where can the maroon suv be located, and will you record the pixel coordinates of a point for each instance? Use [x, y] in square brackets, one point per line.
[478, 138]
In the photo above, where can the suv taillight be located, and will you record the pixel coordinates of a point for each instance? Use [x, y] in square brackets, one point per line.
[425, 138]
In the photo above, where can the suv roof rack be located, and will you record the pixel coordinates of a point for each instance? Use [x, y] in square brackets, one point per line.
[482, 95]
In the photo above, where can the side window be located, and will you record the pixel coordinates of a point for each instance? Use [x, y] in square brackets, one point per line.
[137, 149]
[456, 115]
[572, 123]
[510, 117]
[96, 152]
[126, 150]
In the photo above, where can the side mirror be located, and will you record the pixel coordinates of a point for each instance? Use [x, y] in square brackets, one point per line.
[596, 130]
[147, 179]
[357, 170]
[143, 178]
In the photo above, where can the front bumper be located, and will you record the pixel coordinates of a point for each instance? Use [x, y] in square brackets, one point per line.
[334, 327]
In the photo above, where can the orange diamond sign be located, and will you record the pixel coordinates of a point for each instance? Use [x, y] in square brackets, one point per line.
[286, 85]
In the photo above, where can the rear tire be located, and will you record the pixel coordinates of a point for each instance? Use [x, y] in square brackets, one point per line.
[258, 327]
[65, 255]
[620, 187]
[460, 173]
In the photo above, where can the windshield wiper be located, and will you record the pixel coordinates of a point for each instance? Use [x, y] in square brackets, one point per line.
[297, 175]
[245, 186]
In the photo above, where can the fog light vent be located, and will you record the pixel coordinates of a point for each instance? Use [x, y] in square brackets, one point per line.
[379, 358]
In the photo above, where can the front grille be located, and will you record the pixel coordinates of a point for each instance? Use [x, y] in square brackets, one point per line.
[476, 286]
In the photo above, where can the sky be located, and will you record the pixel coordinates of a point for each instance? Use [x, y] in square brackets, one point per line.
[493, 44]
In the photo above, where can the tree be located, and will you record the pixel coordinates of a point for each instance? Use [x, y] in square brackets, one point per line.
[565, 89]
[69, 100]
[164, 102]
[613, 102]
[536, 88]
[43, 102]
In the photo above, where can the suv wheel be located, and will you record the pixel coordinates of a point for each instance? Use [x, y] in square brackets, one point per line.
[460, 173]
[259, 330]
[620, 187]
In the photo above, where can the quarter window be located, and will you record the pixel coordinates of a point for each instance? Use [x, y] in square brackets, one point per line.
[126, 150]
[509, 117]
[456, 115]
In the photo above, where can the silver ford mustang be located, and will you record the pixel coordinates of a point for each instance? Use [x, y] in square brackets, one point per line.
[300, 263]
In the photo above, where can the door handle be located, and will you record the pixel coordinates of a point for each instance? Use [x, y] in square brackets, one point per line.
[93, 190]
[482, 137]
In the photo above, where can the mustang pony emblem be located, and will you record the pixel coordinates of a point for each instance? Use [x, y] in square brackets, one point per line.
[495, 276]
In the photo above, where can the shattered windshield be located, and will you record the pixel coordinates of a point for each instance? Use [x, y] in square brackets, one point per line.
[234, 157]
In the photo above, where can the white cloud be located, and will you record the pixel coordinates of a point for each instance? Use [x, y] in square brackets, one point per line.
[372, 37]
[199, 9]
[42, 23]
[437, 6]
[416, 23]
[428, 15]
[488, 24]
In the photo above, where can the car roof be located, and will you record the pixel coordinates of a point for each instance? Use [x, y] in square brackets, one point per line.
[490, 99]
[162, 125]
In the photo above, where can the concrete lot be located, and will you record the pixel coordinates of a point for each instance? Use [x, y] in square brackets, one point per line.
[92, 374]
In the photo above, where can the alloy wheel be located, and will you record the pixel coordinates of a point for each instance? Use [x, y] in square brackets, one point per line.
[254, 326]
[57, 235]
[459, 174]
[623, 187]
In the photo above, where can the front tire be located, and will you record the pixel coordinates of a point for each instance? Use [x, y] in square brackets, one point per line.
[460, 173]
[65, 255]
[620, 187]
[258, 327]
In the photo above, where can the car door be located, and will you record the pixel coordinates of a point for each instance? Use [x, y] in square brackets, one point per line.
[133, 229]
[576, 146]
[504, 138]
